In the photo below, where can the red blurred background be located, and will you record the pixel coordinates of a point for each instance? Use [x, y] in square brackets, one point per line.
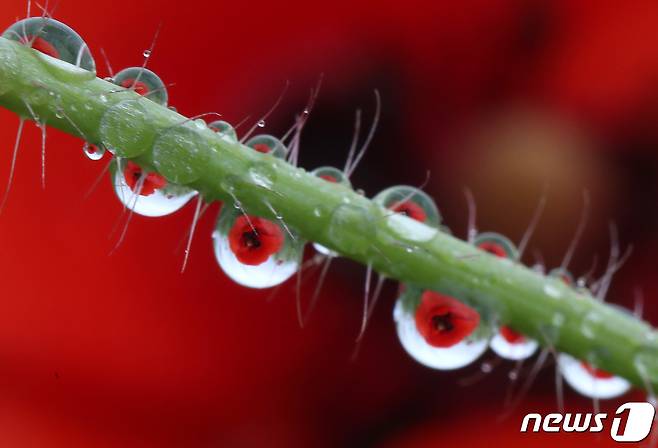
[500, 96]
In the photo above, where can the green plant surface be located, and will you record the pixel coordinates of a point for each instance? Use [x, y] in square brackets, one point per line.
[186, 152]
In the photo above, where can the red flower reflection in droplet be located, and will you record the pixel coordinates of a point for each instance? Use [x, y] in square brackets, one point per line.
[262, 147]
[138, 86]
[329, 178]
[493, 248]
[253, 240]
[411, 209]
[42, 45]
[152, 182]
[444, 321]
[511, 336]
[596, 373]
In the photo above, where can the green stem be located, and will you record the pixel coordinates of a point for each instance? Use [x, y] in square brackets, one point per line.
[190, 154]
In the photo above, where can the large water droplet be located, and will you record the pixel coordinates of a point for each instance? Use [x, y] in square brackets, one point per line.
[456, 356]
[589, 381]
[255, 252]
[181, 154]
[144, 82]
[55, 42]
[158, 197]
[125, 129]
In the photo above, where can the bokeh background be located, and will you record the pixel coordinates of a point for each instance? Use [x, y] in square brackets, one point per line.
[500, 96]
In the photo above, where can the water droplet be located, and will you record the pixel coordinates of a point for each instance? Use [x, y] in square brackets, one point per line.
[255, 252]
[455, 354]
[158, 197]
[144, 82]
[509, 344]
[551, 290]
[486, 367]
[125, 129]
[332, 175]
[224, 130]
[267, 144]
[513, 375]
[261, 123]
[589, 381]
[103, 98]
[324, 250]
[347, 229]
[59, 114]
[146, 53]
[55, 42]
[181, 154]
[590, 324]
[496, 244]
[93, 152]
[403, 200]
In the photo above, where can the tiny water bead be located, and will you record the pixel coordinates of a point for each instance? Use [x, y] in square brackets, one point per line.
[411, 202]
[254, 251]
[267, 144]
[224, 129]
[590, 381]
[53, 39]
[93, 152]
[144, 82]
[147, 194]
[439, 331]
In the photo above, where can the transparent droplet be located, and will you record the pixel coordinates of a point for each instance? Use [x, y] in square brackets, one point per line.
[267, 144]
[332, 175]
[335, 176]
[455, 356]
[347, 226]
[411, 214]
[93, 152]
[411, 202]
[509, 344]
[144, 82]
[261, 123]
[157, 196]
[253, 251]
[590, 381]
[224, 129]
[146, 53]
[496, 244]
[55, 40]
[562, 274]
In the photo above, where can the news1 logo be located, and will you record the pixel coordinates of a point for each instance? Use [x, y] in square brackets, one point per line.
[632, 422]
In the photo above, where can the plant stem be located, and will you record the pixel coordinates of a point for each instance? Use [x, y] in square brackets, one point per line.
[190, 154]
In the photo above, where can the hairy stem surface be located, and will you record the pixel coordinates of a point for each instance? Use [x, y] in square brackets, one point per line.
[188, 153]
